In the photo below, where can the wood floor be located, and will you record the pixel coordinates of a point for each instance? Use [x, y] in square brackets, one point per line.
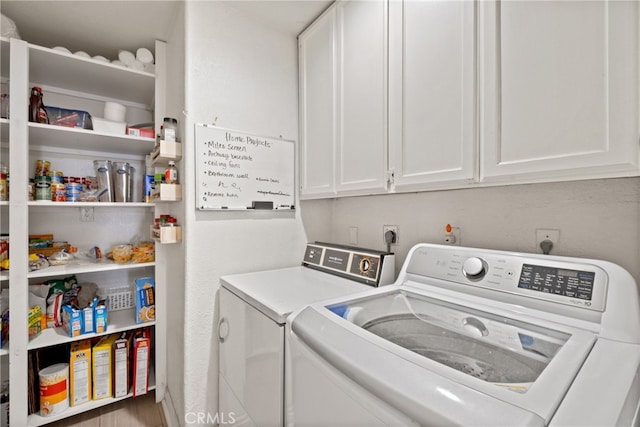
[140, 411]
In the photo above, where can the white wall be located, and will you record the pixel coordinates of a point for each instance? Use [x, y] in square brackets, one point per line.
[174, 254]
[245, 74]
[597, 219]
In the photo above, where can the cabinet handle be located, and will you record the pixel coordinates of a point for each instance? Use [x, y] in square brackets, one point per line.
[223, 329]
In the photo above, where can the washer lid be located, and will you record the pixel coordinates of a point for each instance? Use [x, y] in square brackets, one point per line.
[448, 360]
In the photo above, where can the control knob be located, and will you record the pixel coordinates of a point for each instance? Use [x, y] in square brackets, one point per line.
[474, 268]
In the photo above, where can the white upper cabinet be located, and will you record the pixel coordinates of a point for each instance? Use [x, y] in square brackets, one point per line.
[432, 87]
[559, 90]
[362, 85]
[343, 101]
[317, 59]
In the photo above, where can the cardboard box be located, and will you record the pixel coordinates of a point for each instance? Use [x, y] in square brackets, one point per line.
[141, 357]
[143, 132]
[145, 300]
[122, 365]
[102, 367]
[80, 372]
[34, 321]
[100, 316]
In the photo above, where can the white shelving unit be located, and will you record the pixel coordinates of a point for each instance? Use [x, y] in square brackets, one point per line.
[71, 77]
[37, 420]
[4, 206]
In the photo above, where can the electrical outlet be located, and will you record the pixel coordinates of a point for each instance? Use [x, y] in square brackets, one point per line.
[393, 228]
[551, 234]
[86, 215]
[453, 237]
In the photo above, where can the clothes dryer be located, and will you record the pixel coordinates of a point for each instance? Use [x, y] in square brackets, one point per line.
[253, 311]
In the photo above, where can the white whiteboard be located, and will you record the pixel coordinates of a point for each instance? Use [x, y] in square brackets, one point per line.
[237, 170]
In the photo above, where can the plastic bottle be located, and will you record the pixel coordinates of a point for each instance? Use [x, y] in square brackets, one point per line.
[171, 173]
[37, 113]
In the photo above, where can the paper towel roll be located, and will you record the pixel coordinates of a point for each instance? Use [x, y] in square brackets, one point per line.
[144, 55]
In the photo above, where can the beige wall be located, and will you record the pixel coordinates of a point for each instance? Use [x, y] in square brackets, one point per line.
[597, 219]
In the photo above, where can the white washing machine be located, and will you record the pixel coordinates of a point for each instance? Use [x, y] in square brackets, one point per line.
[253, 311]
[472, 337]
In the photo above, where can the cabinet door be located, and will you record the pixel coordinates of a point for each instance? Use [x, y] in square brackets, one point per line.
[316, 48]
[362, 88]
[432, 93]
[559, 89]
[251, 363]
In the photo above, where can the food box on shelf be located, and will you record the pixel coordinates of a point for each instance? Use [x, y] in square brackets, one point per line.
[69, 118]
[102, 367]
[141, 357]
[100, 316]
[84, 321]
[141, 131]
[145, 300]
[122, 362]
[34, 321]
[80, 372]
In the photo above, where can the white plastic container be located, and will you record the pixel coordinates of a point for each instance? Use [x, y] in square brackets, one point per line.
[108, 126]
[114, 111]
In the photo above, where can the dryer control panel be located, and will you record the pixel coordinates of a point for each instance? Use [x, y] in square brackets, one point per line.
[365, 265]
[557, 279]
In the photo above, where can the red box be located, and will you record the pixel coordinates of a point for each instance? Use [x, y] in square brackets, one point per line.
[143, 132]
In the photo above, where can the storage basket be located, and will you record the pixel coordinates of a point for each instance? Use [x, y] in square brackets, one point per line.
[120, 298]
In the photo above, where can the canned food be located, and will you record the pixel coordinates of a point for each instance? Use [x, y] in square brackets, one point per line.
[32, 189]
[42, 167]
[43, 188]
[58, 192]
[54, 389]
[56, 176]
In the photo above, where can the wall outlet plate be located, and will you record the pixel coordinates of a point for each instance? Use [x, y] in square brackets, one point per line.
[453, 238]
[86, 214]
[393, 228]
[551, 234]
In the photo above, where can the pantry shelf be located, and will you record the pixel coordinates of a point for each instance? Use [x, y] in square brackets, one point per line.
[66, 71]
[50, 204]
[4, 350]
[4, 275]
[89, 141]
[82, 266]
[36, 420]
[118, 321]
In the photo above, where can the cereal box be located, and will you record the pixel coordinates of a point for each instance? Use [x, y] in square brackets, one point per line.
[102, 358]
[121, 371]
[80, 372]
[141, 358]
[145, 300]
